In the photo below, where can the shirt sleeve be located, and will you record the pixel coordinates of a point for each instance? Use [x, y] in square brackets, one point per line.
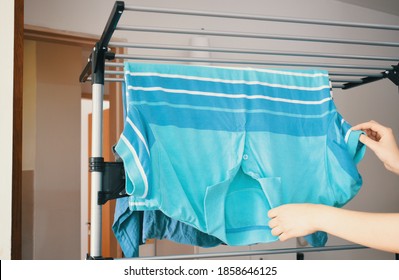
[344, 152]
[133, 148]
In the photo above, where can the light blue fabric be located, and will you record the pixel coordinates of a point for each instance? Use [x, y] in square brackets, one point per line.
[134, 228]
[216, 148]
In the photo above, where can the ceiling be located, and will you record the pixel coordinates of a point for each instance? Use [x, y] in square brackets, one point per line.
[386, 6]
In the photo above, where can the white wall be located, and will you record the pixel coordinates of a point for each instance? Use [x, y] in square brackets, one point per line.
[375, 101]
[6, 124]
[90, 16]
[57, 158]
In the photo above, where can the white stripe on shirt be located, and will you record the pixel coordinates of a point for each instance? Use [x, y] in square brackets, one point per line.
[347, 135]
[138, 133]
[138, 164]
[195, 78]
[228, 95]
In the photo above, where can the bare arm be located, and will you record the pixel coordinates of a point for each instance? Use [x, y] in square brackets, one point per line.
[375, 230]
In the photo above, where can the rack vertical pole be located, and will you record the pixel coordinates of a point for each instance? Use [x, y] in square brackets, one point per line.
[96, 175]
[96, 66]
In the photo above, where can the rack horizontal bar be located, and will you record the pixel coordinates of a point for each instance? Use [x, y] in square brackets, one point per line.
[255, 36]
[113, 72]
[377, 75]
[108, 79]
[249, 51]
[262, 18]
[114, 64]
[331, 73]
[256, 253]
[118, 80]
[230, 61]
[121, 73]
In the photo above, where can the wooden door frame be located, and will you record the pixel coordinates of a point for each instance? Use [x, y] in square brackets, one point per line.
[16, 200]
[86, 41]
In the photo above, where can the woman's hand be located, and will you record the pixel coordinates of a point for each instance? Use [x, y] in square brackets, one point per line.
[381, 141]
[294, 220]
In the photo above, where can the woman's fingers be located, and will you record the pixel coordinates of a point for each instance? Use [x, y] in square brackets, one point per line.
[277, 231]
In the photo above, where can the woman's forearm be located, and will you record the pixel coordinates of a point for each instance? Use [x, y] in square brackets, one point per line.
[375, 230]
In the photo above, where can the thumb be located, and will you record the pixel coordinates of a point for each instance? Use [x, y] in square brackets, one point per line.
[373, 145]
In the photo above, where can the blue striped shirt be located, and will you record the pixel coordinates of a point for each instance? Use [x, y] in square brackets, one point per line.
[217, 147]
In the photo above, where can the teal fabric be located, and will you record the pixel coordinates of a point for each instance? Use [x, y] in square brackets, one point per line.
[128, 228]
[216, 148]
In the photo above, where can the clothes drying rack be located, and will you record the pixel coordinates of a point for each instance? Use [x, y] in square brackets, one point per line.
[107, 181]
